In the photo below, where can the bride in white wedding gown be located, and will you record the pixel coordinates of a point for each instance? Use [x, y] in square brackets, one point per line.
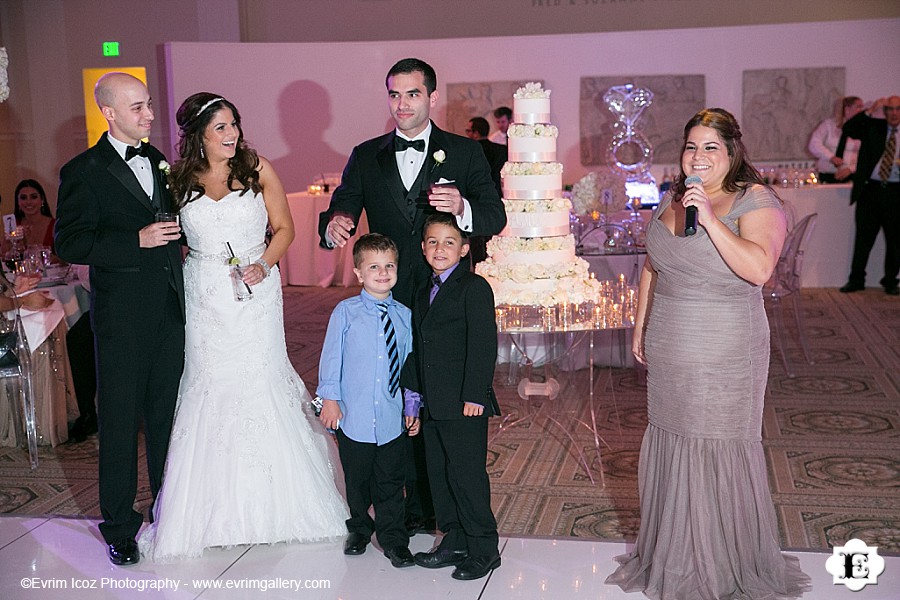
[244, 465]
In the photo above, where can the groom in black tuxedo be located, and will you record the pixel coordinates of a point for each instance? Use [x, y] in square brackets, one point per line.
[108, 198]
[392, 177]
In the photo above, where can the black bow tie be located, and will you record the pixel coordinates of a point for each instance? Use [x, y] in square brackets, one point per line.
[131, 151]
[401, 144]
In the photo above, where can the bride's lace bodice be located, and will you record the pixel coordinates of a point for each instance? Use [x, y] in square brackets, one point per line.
[235, 219]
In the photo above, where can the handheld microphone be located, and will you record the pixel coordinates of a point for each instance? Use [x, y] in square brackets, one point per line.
[690, 213]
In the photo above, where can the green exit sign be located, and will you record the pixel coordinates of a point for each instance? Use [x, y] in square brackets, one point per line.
[110, 48]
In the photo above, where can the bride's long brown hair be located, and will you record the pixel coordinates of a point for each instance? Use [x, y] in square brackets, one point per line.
[193, 117]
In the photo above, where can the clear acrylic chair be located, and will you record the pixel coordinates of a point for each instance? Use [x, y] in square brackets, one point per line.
[784, 286]
[20, 391]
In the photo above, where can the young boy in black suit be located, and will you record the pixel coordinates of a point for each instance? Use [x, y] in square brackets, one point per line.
[452, 367]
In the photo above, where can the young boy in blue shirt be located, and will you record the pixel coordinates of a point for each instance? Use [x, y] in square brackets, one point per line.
[368, 339]
[452, 367]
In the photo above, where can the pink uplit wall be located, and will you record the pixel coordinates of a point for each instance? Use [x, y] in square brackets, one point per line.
[304, 106]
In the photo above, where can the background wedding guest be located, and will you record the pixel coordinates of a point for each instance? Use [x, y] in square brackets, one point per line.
[496, 155]
[33, 213]
[876, 192]
[108, 199]
[823, 143]
[708, 526]
[391, 177]
[502, 119]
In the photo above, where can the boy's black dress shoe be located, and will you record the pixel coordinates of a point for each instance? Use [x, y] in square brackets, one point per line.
[400, 557]
[123, 553]
[356, 543]
[852, 287]
[476, 567]
[439, 558]
[892, 291]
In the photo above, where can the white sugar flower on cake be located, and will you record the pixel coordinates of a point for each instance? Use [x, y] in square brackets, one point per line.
[531, 90]
[507, 245]
[521, 130]
[537, 206]
[525, 273]
[511, 168]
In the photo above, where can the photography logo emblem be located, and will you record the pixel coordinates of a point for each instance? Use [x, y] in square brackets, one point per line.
[855, 565]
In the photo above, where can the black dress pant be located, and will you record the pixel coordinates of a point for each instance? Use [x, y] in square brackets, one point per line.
[878, 208]
[80, 347]
[374, 476]
[138, 378]
[456, 450]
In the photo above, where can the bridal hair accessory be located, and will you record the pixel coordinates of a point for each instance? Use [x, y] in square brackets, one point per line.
[207, 105]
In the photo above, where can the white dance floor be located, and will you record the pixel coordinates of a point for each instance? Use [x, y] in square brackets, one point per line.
[47, 558]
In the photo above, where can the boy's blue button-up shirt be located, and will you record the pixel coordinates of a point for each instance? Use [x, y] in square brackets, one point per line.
[353, 368]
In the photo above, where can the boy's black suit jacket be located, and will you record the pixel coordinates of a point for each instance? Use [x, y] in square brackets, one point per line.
[454, 347]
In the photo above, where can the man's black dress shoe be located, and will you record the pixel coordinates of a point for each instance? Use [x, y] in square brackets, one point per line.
[852, 287]
[476, 567]
[416, 525]
[356, 543]
[123, 553]
[439, 558]
[400, 557]
[892, 291]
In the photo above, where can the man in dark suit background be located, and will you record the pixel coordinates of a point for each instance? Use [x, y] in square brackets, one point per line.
[108, 198]
[392, 178]
[876, 191]
[497, 155]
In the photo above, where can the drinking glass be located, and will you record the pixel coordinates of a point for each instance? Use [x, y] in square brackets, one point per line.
[241, 290]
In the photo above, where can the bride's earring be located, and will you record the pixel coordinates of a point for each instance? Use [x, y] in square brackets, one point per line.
[201, 152]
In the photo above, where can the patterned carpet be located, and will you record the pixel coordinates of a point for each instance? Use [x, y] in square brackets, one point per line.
[831, 436]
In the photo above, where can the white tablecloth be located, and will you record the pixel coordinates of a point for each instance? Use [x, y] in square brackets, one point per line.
[305, 263]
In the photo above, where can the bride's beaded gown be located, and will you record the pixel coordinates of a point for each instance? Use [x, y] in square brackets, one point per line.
[708, 528]
[244, 464]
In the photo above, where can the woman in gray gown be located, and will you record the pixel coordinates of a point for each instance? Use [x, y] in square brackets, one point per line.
[708, 528]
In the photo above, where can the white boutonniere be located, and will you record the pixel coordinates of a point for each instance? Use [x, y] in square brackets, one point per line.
[439, 157]
[165, 167]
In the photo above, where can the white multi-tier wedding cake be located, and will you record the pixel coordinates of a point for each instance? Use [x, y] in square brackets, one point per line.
[532, 261]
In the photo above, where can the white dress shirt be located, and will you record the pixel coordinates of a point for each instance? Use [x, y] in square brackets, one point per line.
[824, 141]
[139, 164]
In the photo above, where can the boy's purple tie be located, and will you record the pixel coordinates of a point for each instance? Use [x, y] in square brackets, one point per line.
[390, 340]
[435, 286]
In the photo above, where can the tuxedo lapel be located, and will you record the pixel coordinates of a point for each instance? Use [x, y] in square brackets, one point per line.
[119, 169]
[446, 290]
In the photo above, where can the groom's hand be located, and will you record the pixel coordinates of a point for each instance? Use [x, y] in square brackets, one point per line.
[339, 230]
[159, 234]
[446, 198]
